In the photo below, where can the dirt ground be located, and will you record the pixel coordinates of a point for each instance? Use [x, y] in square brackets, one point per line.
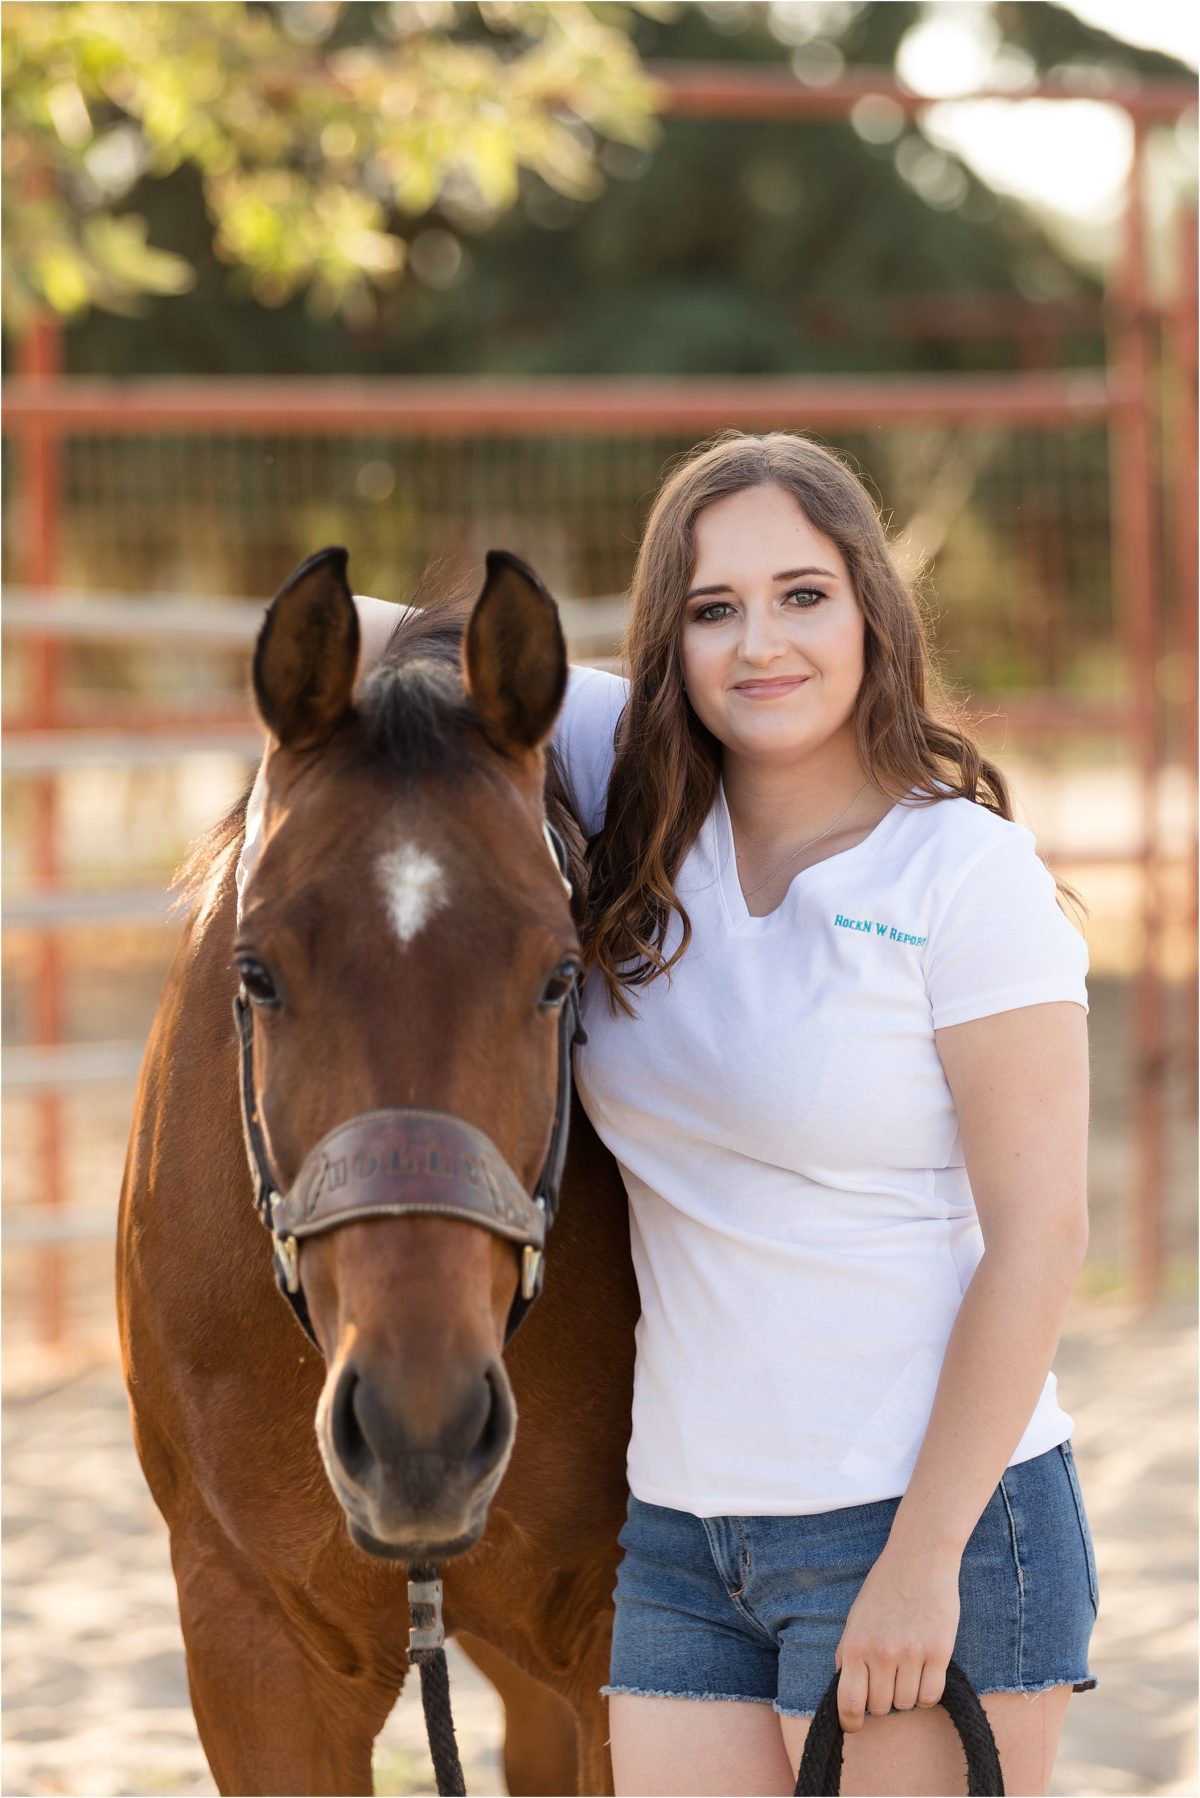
[95, 1696]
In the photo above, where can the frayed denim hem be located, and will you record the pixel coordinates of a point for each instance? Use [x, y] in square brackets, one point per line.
[719, 1697]
[1087, 1684]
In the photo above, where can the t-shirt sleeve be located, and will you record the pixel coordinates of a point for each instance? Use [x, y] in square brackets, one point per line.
[1002, 940]
[583, 739]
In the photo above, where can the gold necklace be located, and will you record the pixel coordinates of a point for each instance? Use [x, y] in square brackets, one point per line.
[795, 852]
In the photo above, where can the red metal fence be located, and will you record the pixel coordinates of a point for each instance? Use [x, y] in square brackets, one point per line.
[1106, 567]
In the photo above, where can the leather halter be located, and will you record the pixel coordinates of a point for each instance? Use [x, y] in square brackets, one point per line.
[405, 1162]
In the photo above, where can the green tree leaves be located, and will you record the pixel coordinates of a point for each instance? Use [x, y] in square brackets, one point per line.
[310, 127]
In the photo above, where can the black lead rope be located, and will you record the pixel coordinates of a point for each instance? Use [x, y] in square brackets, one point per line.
[820, 1774]
[426, 1646]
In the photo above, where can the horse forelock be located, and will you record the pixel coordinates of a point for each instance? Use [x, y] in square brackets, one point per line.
[412, 707]
[416, 715]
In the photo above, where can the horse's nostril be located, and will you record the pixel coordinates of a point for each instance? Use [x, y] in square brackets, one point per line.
[493, 1435]
[349, 1443]
[369, 1438]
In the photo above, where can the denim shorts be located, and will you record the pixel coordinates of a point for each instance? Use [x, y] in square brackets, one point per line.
[753, 1608]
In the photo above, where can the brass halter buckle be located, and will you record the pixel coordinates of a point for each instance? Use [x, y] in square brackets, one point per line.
[287, 1252]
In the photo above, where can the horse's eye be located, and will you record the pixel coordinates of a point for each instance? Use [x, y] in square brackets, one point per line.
[558, 986]
[260, 988]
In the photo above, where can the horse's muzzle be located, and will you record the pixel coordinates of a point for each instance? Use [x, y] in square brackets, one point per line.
[407, 1491]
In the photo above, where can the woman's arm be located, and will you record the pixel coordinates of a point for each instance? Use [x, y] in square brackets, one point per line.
[1020, 1085]
[377, 619]
[1019, 1080]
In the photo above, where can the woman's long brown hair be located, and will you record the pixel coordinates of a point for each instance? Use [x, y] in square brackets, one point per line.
[664, 780]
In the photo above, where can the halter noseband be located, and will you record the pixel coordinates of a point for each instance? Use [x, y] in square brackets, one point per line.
[405, 1162]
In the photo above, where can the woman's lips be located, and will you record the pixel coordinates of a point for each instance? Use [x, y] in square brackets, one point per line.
[769, 689]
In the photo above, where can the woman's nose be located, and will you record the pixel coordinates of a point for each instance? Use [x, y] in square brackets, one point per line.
[761, 640]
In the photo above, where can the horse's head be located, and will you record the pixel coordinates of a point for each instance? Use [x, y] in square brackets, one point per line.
[406, 951]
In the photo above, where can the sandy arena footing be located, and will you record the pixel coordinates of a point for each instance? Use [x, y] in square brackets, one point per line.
[95, 1696]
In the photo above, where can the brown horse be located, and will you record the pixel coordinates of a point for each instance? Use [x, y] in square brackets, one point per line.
[406, 941]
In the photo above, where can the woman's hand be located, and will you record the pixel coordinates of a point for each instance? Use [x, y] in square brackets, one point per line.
[899, 1636]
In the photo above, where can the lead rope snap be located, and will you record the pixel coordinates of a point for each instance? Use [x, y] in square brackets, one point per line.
[421, 1637]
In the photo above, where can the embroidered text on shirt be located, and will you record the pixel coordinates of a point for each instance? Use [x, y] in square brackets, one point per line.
[885, 930]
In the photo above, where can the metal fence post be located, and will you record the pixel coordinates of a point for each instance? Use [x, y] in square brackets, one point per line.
[41, 359]
[1137, 575]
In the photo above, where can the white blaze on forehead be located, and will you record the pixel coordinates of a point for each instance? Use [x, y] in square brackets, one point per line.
[414, 886]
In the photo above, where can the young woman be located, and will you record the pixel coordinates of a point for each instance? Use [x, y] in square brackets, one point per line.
[837, 1043]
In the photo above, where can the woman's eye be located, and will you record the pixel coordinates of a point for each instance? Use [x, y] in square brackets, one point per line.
[260, 988]
[558, 986]
[807, 598]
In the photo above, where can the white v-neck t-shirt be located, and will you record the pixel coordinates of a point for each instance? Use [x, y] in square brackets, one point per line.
[802, 1225]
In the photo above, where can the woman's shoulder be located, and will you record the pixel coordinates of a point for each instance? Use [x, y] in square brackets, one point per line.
[956, 826]
[996, 935]
[956, 853]
[969, 862]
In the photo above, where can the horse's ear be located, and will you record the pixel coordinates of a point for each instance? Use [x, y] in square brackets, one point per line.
[514, 656]
[306, 655]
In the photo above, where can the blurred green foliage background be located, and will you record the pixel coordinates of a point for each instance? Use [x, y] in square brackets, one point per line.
[435, 187]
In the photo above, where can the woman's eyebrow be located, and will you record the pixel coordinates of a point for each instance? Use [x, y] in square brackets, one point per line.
[789, 574]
